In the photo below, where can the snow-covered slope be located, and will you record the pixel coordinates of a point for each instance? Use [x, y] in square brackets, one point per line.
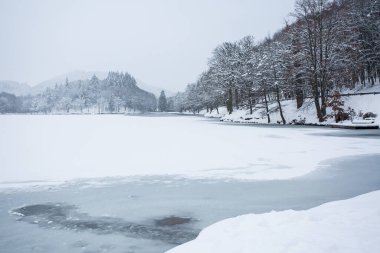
[348, 226]
[363, 104]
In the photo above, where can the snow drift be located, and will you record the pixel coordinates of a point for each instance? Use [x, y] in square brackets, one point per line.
[347, 226]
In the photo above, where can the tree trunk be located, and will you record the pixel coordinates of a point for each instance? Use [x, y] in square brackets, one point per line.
[266, 105]
[316, 100]
[237, 98]
[299, 92]
[229, 102]
[323, 101]
[250, 101]
[279, 104]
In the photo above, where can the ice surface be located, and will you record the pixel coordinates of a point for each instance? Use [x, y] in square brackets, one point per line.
[58, 147]
[64, 216]
[155, 213]
[150, 183]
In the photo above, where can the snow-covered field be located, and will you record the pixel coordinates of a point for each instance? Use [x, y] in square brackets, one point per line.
[56, 148]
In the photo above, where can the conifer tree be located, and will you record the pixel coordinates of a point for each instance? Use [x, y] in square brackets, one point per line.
[162, 103]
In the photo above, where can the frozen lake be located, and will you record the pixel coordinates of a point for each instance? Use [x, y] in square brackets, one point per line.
[150, 183]
[64, 147]
[131, 214]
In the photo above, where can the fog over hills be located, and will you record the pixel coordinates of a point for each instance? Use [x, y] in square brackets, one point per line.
[71, 76]
[12, 87]
[22, 89]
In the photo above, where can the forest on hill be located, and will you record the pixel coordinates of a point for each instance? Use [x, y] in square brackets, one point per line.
[330, 45]
[117, 93]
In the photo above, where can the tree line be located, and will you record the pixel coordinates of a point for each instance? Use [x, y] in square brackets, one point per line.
[116, 93]
[328, 46]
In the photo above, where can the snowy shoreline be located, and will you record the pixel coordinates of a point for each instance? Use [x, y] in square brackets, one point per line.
[316, 125]
[306, 114]
[348, 226]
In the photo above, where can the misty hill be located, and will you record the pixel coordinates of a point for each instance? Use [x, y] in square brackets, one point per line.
[155, 90]
[21, 89]
[116, 93]
[12, 87]
[86, 75]
[71, 76]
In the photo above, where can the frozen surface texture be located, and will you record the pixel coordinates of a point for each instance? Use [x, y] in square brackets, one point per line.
[155, 213]
[147, 184]
[56, 148]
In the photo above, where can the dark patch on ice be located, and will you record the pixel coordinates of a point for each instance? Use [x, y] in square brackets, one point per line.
[275, 136]
[50, 210]
[79, 244]
[359, 133]
[172, 221]
[64, 216]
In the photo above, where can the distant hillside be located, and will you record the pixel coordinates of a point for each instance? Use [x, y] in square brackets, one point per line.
[71, 76]
[153, 89]
[12, 87]
[86, 75]
[116, 93]
[18, 89]
[21, 89]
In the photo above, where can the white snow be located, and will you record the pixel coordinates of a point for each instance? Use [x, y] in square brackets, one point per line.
[348, 226]
[363, 104]
[64, 147]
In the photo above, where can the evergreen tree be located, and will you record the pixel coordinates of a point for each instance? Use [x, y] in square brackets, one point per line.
[162, 103]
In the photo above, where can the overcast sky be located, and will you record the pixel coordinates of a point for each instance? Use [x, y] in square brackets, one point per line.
[164, 43]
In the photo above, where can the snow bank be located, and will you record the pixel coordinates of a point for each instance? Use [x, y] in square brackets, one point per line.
[216, 114]
[348, 226]
[364, 103]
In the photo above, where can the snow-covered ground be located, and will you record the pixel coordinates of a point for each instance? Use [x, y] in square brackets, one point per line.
[361, 104]
[64, 147]
[348, 226]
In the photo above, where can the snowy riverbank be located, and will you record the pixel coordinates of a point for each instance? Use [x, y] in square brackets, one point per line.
[347, 226]
[306, 114]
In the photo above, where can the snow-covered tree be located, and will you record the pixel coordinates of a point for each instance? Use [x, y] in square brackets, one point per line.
[162, 103]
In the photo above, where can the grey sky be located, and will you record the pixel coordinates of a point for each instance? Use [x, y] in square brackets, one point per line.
[164, 43]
